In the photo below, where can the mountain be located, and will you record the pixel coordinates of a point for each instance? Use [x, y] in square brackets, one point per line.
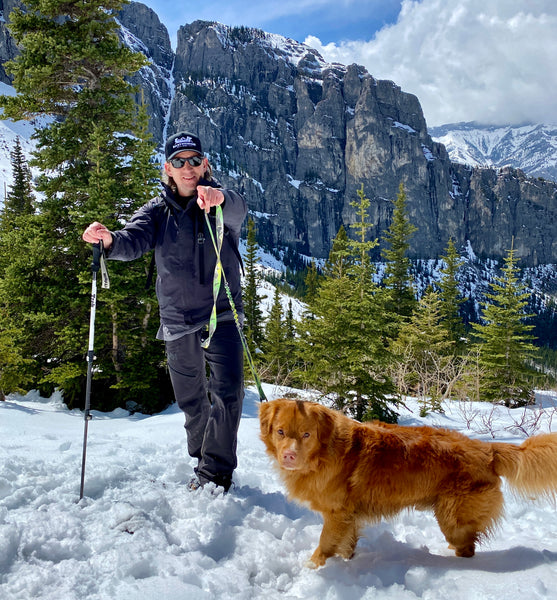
[531, 148]
[142, 31]
[299, 137]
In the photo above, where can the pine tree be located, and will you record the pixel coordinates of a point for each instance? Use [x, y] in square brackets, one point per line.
[397, 272]
[290, 326]
[18, 206]
[20, 200]
[424, 352]
[504, 343]
[72, 68]
[311, 282]
[340, 258]
[274, 345]
[136, 357]
[342, 347]
[252, 310]
[450, 296]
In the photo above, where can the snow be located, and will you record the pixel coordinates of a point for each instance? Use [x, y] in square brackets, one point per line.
[294, 182]
[138, 534]
[402, 126]
[428, 153]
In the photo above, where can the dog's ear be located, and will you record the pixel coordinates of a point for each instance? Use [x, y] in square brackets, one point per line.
[326, 424]
[267, 411]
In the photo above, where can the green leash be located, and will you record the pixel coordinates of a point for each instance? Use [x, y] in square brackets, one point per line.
[218, 278]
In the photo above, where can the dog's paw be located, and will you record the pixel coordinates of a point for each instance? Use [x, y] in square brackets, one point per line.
[317, 560]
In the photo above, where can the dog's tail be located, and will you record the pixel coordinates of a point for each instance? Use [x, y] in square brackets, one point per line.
[531, 468]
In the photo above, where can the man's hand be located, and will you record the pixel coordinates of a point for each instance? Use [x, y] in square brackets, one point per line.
[208, 196]
[97, 232]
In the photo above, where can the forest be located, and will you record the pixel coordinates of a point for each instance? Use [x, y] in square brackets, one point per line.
[363, 344]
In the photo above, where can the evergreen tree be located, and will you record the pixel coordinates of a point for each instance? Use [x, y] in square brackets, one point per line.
[20, 200]
[72, 68]
[251, 299]
[18, 205]
[424, 353]
[450, 296]
[398, 278]
[340, 258]
[342, 346]
[311, 282]
[504, 344]
[274, 345]
[290, 327]
[13, 365]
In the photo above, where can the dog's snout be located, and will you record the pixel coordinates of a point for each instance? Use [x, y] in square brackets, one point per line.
[288, 458]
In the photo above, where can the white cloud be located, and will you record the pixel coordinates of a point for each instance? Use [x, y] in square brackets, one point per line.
[491, 61]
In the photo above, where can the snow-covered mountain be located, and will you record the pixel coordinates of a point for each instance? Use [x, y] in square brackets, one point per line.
[531, 148]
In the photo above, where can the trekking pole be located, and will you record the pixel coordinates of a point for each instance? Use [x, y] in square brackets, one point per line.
[98, 263]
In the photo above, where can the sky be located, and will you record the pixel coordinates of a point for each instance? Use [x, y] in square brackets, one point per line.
[490, 61]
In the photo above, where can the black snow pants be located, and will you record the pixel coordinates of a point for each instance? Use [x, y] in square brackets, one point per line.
[213, 405]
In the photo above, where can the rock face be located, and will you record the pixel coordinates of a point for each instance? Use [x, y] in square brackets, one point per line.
[299, 137]
[142, 30]
[8, 48]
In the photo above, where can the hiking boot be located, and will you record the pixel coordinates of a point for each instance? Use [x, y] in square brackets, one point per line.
[220, 481]
[194, 484]
[223, 481]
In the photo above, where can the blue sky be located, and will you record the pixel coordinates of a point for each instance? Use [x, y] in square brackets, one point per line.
[466, 60]
[330, 21]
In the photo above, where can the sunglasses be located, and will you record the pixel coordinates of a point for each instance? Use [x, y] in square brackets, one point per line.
[193, 161]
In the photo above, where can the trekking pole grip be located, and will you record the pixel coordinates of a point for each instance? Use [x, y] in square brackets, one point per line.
[97, 253]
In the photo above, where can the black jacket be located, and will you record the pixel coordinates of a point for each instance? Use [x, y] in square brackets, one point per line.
[185, 257]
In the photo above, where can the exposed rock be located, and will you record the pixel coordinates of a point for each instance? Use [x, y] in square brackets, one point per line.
[299, 137]
[143, 31]
[8, 47]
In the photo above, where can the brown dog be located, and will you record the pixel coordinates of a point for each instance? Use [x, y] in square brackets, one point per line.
[352, 473]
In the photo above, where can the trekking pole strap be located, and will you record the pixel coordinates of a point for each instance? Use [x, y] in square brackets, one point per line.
[217, 244]
[99, 264]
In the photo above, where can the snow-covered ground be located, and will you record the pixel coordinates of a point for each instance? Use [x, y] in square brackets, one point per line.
[138, 534]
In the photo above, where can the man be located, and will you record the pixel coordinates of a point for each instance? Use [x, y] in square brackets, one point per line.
[174, 225]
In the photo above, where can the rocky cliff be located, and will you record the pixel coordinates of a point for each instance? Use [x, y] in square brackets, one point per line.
[299, 137]
[8, 48]
[142, 30]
